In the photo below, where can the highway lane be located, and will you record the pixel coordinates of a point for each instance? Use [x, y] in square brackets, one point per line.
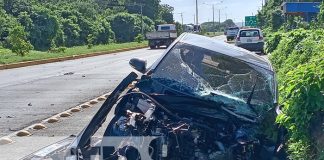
[31, 94]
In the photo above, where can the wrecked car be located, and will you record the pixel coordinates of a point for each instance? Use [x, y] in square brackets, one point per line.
[201, 100]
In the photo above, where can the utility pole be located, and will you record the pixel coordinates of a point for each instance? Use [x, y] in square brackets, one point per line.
[219, 23]
[181, 18]
[197, 12]
[262, 3]
[181, 14]
[142, 27]
[142, 22]
[214, 18]
[194, 19]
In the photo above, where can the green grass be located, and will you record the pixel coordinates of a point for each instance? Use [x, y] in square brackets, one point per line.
[7, 57]
[213, 34]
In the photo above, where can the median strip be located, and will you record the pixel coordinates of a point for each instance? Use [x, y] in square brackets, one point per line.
[60, 59]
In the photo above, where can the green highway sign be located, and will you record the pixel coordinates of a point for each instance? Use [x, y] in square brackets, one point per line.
[251, 21]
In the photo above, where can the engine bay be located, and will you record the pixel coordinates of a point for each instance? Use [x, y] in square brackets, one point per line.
[190, 135]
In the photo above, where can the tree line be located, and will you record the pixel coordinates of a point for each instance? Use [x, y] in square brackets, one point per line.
[46, 24]
[272, 17]
[216, 26]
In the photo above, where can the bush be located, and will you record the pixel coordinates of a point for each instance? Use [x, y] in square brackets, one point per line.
[286, 46]
[90, 41]
[303, 98]
[298, 58]
[18, 42]
[139, 38]
[57, 50]
[127, 26]
[272, 42]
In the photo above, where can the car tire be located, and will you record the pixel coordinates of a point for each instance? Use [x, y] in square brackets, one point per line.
[152, 47]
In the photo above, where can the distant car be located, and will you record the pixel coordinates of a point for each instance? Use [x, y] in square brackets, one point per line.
[250, 39]
[231, 33]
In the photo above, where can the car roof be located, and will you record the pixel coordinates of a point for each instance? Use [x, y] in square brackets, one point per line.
[226, 49]
[246, 29]
[233, 28]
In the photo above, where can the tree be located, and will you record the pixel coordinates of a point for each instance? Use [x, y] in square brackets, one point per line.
[18, 41]
[228, 23]
[45, 28]
[123, 24]
[166, 13]
[53, 23]
[321, 15]
[150, 8]
[277, 19]
[7, 22]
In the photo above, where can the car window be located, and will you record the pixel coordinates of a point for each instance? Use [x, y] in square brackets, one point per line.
[249, 33]
[233, 28]
[165, 28]
[193, 70]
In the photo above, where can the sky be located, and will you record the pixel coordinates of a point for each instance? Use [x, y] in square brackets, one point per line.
[233, 9]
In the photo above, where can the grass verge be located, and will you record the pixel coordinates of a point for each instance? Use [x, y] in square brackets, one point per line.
[7, 57]
[213, 34]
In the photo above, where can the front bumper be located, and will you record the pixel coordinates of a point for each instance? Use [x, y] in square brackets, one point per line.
[251, 46]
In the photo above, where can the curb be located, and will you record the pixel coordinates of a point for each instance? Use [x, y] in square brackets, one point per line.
[60, 59]
[28, 131]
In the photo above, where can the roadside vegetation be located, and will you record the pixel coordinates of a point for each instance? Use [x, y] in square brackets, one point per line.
[213, 34]
[7, 56]
[53, 25]
[216, 26]
[296, 50]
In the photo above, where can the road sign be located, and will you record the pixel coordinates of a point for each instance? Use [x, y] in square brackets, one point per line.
[251, 21]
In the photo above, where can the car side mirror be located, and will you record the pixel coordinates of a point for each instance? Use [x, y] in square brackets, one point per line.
[138, 64]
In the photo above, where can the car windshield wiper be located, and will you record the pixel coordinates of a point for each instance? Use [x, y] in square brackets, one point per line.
[251, 95]
[248, 102]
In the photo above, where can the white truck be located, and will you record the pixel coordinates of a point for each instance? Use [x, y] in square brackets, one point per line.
[164, 36]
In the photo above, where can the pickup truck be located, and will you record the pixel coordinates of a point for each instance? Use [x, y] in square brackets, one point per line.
[164, 36]
[231, 33]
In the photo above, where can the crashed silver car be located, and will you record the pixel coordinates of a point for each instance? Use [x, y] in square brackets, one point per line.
[202, 100]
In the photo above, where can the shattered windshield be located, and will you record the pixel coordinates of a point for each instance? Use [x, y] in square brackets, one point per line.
[219, 77]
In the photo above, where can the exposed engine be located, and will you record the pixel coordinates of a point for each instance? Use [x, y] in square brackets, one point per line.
[186, 136]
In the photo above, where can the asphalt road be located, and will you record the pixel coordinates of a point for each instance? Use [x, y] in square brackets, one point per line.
[31, 94]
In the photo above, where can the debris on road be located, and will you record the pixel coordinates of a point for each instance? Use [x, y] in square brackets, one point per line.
[68, 73]
[29, 104]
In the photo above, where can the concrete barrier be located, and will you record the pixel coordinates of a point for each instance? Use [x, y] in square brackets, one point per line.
[60, 59]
